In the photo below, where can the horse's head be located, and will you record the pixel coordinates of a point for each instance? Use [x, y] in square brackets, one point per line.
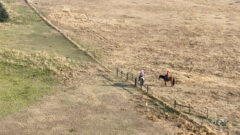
[161, 76]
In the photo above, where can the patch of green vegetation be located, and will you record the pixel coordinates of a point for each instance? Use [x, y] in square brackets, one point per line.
[27, 76]
[20, 86]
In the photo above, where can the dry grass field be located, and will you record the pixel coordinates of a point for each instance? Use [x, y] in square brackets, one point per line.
[49, 86]
[198, 41]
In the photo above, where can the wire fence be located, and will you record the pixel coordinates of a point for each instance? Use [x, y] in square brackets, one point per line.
[189, 109]
[131, 77]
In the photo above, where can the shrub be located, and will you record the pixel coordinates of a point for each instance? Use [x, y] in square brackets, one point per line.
[3, 13]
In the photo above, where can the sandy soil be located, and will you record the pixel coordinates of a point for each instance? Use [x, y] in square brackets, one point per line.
[198, 41]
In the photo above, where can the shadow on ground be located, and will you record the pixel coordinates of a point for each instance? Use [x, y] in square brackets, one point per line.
[123, 86]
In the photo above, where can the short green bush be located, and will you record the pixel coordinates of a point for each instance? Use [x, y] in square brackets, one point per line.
[3, 13]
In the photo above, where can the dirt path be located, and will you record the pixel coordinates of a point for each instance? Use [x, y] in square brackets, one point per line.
[95, 106]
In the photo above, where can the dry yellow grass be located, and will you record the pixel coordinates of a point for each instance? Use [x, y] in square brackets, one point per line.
[197, 41]
[36, 60]
[65, 69]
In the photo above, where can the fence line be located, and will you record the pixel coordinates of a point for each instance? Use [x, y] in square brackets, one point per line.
[190, 109]
[66, 36]
[132, 78]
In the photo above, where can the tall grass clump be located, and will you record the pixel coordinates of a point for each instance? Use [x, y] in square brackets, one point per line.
[37, 60]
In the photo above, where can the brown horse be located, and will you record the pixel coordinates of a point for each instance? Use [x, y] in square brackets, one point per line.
[171, 79]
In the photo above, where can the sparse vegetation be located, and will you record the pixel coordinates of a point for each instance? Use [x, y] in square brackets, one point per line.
[20, 86]
[25, 77]
[3, 13]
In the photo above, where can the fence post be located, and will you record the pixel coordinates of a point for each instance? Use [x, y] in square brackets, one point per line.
[117, 71]
[147, 89]
[207, 113]
[136, 82]
[189, 108]
[127, 76]
[175, 103]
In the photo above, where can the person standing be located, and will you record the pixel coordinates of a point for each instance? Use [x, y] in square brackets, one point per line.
[167, 75]
[141, 74]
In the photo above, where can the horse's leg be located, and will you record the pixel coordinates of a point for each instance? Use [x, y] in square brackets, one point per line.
[165, 83]
[173, 81]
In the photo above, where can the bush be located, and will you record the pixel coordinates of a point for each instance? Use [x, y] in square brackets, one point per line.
[3, 13]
